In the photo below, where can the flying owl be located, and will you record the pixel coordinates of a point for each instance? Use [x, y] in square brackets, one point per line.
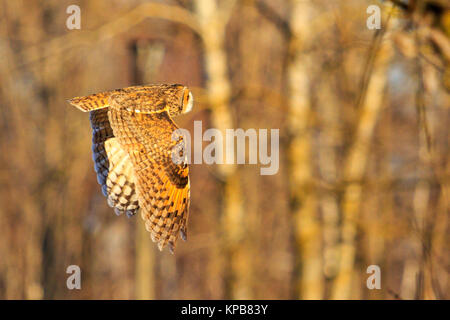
[132, 149]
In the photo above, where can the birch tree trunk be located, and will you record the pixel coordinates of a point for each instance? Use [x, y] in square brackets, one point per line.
[309, 279]
[213, 19]
[355, 166]
[145, 264]
[329, 203]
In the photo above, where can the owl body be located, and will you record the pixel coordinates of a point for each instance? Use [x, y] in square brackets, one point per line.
[132, 151]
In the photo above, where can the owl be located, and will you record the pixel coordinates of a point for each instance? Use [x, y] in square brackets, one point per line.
[132, 144]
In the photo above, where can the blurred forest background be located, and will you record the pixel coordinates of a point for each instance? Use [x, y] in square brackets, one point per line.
[364, 149]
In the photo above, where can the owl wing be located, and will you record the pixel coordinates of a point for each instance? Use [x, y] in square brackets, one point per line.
[92, 102]
[162, 185]
[145, 99]
[112, 165]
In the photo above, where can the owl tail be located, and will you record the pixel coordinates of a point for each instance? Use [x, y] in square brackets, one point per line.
[91, 102]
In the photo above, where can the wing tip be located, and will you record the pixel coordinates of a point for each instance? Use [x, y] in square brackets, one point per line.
[183, 234]
[90, 102]
[78, 103]
[172, 247]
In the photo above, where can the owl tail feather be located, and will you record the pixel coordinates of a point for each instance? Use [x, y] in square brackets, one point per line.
[91, 102]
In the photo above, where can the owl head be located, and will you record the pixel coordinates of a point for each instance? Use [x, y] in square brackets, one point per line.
[182, 102]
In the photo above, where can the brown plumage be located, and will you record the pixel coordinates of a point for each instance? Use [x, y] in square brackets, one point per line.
[132, 150]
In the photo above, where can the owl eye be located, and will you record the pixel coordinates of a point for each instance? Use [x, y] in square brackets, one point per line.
[188, 101]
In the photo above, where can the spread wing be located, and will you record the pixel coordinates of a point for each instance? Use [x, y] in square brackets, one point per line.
[162, 185]
[112, 165]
